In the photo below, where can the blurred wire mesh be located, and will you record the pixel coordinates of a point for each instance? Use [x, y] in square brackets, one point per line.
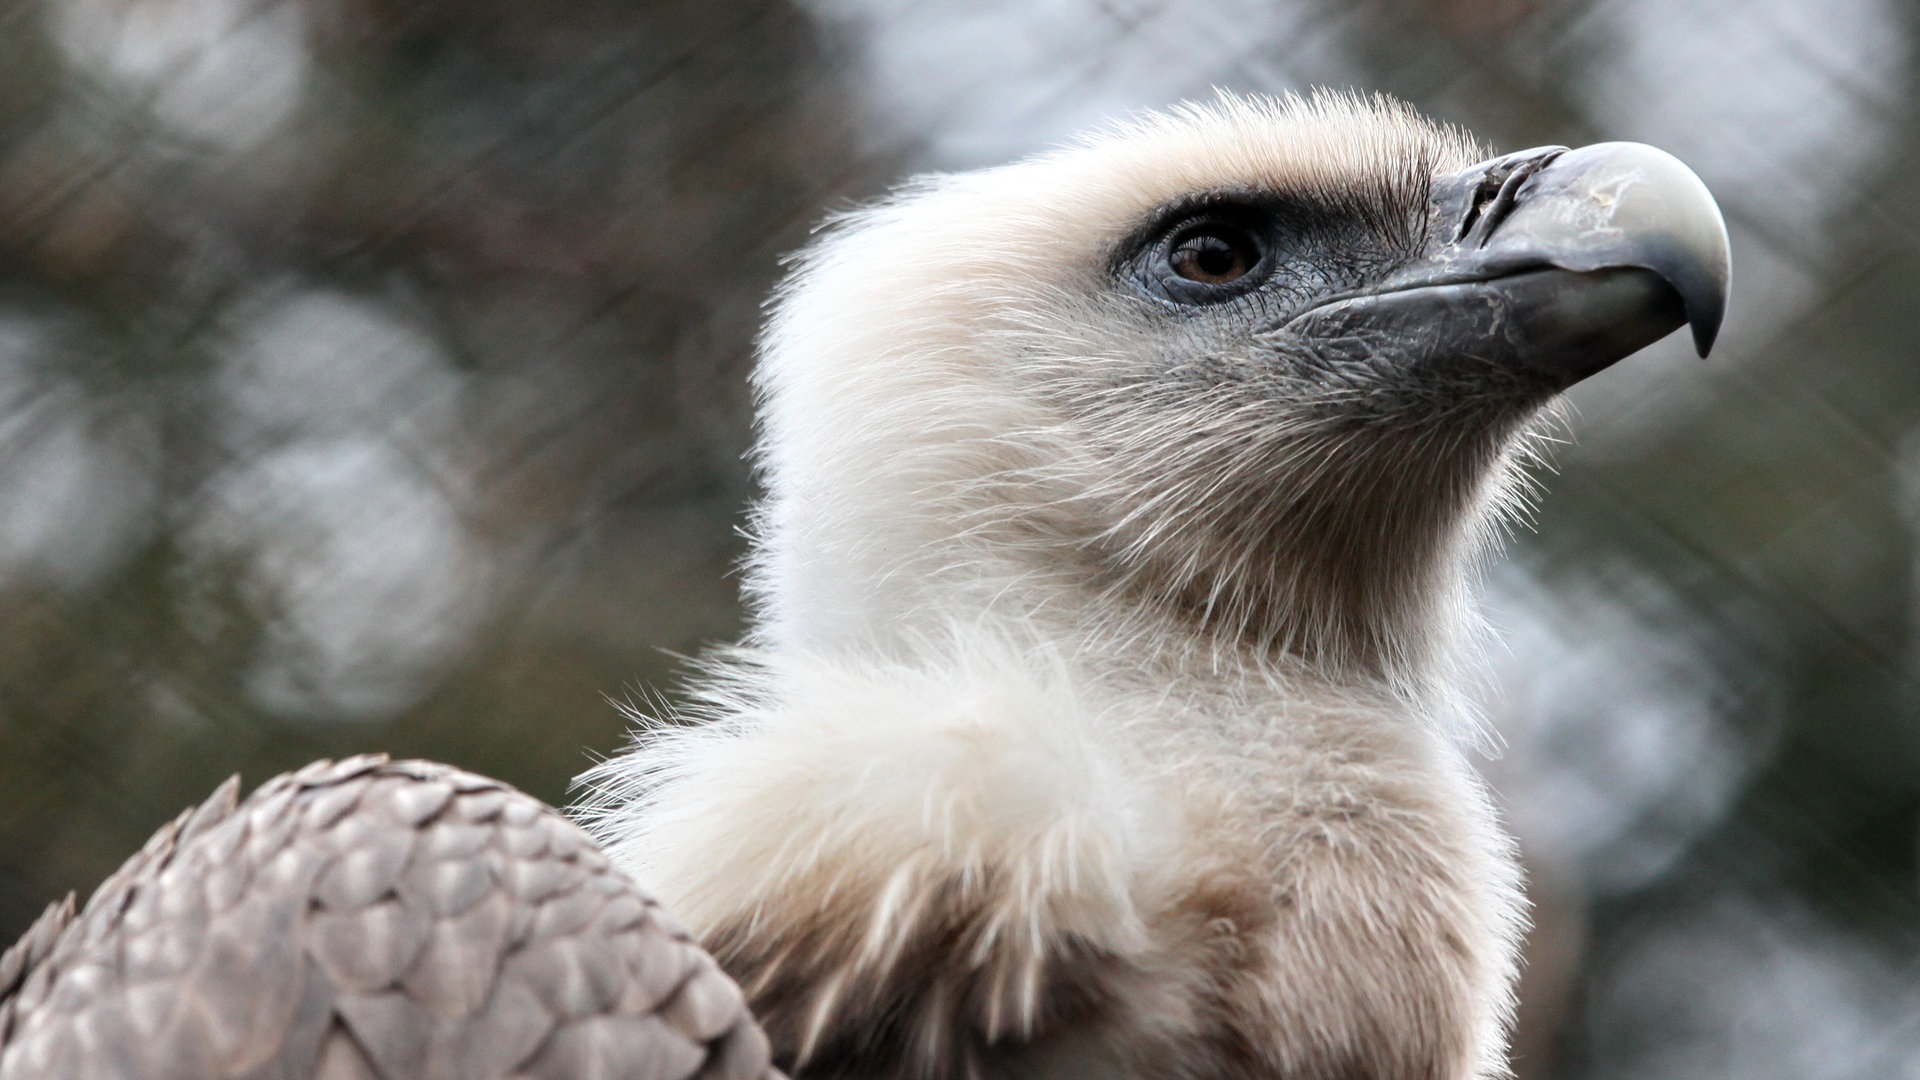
[371, 378]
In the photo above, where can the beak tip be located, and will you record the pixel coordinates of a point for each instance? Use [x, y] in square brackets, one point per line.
[1707, 309]
[1628, 204]
[1704, 332]
[1706, 301]
[1706, 306]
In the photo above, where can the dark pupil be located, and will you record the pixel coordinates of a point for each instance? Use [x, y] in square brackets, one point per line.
[1210, 257]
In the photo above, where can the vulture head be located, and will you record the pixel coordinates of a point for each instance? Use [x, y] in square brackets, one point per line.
[1264, 367]
[1097, 716]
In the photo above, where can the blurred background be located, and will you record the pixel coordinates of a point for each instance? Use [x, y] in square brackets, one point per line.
[371, 378]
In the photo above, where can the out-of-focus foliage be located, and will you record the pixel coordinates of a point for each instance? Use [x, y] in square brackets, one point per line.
[371, 377]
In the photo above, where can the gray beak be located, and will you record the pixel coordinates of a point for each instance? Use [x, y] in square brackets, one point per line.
[1550, 262]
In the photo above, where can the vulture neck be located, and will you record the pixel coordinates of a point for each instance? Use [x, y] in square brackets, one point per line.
[1360, 579]
[1360, 575]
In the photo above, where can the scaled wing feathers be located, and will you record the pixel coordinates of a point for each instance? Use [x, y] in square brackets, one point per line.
[376, 919]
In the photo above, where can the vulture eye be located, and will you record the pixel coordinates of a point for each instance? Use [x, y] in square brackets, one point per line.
[1214, 254]
[1207, 258]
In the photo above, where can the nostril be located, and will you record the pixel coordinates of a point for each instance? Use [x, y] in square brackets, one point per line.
[1488, 187]
[1498, 192]
[1505, 198]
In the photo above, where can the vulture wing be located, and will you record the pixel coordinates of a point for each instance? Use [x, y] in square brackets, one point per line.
[370, 919]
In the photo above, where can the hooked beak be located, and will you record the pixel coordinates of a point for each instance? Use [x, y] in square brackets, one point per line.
[1550, 262]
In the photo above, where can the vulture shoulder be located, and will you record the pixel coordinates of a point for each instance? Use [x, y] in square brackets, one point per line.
[370, 919]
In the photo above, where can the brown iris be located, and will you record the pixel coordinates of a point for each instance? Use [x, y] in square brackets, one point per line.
[1214, 255]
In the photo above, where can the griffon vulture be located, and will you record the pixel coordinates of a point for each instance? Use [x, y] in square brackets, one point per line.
[1100, 716]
